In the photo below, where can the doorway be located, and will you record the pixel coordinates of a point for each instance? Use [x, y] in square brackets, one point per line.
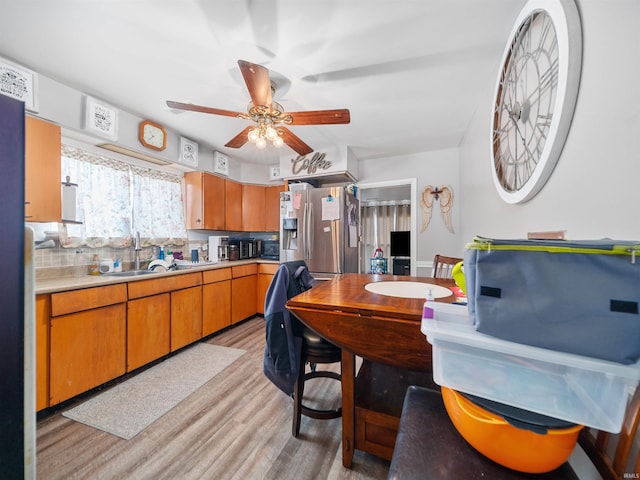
[384, 207]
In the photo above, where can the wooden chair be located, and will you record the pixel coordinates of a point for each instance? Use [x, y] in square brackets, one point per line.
[442, 266]
[285, 334]
[624, 462]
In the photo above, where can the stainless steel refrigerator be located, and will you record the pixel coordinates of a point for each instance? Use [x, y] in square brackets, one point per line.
[321, 227]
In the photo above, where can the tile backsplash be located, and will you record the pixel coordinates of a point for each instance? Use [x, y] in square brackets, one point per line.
[63, 262]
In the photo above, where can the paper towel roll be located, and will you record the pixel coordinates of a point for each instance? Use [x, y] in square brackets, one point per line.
[69, 202]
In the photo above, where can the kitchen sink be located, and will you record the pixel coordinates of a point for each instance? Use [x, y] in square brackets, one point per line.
[131, 273]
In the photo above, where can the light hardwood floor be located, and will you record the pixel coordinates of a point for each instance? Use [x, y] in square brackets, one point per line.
[236, 426]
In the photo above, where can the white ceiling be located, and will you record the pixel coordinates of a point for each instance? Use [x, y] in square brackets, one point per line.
[411, 72]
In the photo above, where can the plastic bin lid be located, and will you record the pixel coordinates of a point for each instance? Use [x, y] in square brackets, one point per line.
[520, 418]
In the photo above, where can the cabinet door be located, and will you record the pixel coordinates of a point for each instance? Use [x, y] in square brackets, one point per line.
[253, 208]
[243, 298]
[43, 188]
[272, 208]
[265, 275]
[214, 202]
[263, 285]
[186, 317]
[194, 200]
[216, 307]
[233, 205]
[87, 349]
[148, 329]
[43, 305]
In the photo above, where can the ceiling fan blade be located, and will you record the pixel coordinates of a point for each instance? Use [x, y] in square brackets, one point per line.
[240, 139]
[258, 83]
[294, 141]
[198, 108]
[320, 117]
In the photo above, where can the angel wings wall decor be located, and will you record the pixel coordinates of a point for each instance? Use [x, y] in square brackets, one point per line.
[444, 194]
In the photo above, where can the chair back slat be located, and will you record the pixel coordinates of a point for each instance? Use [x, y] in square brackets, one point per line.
[443, 266]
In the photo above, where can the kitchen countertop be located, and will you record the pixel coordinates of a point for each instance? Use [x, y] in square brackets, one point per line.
[61, 284]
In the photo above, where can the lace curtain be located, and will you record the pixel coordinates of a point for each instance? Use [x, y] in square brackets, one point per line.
[378, 220]
[115, 200]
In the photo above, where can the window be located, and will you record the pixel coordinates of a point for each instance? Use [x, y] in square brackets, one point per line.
[115, 200]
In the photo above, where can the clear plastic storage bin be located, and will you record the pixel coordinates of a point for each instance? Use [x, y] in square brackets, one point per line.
[578, 389]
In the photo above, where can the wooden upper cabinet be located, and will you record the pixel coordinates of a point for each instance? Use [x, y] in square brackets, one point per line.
[215, 203]
[43, 186]
[233, 205]
[205, 201]
[253, 208]
[272, 208]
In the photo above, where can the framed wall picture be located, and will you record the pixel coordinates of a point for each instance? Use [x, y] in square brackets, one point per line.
[100, 118]
[274, 172]
[220, 164]
[19, 83]
[188, 154]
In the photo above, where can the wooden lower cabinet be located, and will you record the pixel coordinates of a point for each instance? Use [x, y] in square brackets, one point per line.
[186, 317]
[379, 396]
[266, 272]
[43, 307]
[243, 292]
[216, 300]
[88, 348]
[148, 329]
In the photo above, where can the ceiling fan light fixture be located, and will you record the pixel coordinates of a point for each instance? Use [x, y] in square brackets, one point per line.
[270, 132]
[254, 135]
[261, 143]
[278, 142]
[268, 116]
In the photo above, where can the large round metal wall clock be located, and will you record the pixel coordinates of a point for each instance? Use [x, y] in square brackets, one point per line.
[535, 97]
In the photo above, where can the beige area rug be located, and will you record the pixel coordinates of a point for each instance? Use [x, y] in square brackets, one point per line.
[131, 406]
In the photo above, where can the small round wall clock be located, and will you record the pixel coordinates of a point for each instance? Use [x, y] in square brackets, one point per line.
[535, 97]
[152, 135]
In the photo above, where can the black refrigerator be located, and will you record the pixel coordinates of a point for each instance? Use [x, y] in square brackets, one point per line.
[17, 401]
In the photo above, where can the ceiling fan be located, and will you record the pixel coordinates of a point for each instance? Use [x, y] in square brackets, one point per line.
[267, 115]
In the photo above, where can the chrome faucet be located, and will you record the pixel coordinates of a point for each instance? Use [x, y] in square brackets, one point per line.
[137, 248]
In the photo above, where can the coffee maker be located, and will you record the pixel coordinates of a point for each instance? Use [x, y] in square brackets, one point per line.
[218, 248]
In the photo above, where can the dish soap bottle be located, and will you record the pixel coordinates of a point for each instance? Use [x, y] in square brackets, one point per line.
[427, 312]
[94, 267]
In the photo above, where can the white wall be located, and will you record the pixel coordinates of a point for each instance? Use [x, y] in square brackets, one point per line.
[64, 105]
[435, 168]
[594, 191]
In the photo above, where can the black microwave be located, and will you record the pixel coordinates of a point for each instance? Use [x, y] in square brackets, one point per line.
[270, 250]
[247, 247]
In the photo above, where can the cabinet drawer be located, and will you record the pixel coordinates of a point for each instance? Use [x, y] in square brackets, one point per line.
[218, 275]
[85, 299]
[268, 268]
[244, 270]
[144, 288]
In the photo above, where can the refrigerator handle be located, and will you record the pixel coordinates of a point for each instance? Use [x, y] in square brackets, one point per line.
[309, 230]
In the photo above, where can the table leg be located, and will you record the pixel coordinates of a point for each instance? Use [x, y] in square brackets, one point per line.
[348, 407]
